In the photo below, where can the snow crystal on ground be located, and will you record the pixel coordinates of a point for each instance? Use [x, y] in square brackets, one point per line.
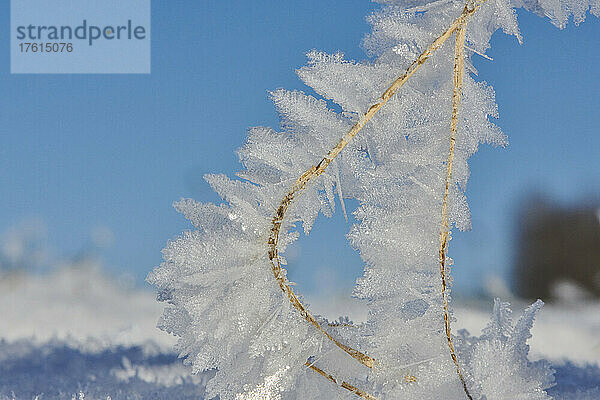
[76, 334]
[82, 306]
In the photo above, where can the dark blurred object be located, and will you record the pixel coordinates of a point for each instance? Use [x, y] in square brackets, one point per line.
[557, 245]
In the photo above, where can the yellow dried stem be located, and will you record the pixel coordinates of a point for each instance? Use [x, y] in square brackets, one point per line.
[343, 384]
[459, 26]
[458, 81]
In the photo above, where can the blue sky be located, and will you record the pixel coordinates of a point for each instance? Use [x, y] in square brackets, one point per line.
[82, 151]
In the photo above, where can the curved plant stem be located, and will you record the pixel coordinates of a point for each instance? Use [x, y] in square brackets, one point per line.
[458, 81]
[313, 172]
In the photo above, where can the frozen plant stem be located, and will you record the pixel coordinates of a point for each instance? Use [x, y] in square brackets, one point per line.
[458, 26]
[458, 81]
[344, 384]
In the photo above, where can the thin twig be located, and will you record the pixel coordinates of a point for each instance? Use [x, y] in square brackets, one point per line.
[458, 82]
[344, 384]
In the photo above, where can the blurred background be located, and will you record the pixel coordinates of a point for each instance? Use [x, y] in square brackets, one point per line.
[90, 164]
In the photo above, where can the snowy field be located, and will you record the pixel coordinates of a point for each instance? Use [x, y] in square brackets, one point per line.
[76, 334]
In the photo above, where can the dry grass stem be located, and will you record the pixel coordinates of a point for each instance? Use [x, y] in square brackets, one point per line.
[343, 384]
[458, 26]
[458, 82]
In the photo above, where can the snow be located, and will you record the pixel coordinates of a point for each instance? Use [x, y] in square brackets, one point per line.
[562, 332]
[81, 306]
[77, 333]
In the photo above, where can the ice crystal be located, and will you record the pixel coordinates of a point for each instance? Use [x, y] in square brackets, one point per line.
[223, 301]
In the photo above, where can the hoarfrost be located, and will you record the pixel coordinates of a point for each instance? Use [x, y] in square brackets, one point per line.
[223, 302]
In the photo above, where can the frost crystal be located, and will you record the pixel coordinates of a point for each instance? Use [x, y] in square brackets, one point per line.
[498, 359]
[233, 310]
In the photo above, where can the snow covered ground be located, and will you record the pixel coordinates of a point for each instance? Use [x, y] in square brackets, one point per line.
[77, 334]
